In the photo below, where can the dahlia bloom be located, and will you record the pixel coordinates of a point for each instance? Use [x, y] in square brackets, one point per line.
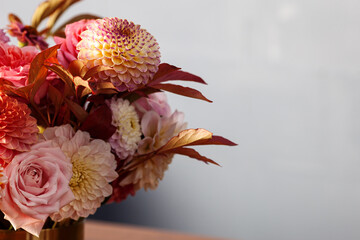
[3, 182]
[68, 52]
[18, 130]
[93, 169]
[15, 63]
[3, 37]
[156, 102]
[38, 186]
[157, 131]
[127, 135]
[130, 51]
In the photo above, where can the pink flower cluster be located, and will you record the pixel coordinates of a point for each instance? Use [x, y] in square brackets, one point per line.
[86, 121]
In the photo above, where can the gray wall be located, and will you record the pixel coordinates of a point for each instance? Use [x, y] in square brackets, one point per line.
[284, 77]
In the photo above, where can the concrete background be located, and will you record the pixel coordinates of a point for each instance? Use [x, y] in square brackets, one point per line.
[284, 78]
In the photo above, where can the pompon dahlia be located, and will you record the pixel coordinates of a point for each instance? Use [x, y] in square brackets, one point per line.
[131, 52]
[18, 130]
[93, 169]
[127, 135]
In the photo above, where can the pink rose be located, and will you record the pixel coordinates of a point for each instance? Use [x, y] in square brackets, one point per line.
[156, 102]
[38, 185]
[68, 52]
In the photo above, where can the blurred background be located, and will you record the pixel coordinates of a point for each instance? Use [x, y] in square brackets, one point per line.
[284, 78]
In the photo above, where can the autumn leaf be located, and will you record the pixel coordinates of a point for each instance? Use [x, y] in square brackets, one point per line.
[193, 154]
[44, 10]
[168, 72]
[185, 138]
[215, 140]
[184, 91]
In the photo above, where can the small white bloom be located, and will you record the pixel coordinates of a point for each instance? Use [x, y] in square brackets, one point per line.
[128, 134]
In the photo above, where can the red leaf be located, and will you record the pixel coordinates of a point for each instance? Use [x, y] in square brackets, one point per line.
[193, 154]
[77, 110]
[98, 123]
[168, 72]
[184, 91]
[215, 140]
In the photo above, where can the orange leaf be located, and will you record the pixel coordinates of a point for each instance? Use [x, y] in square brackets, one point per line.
[37, 68]
[185, 138]
[184, 91]
[193, 154]
[95, 70]
[44, 10]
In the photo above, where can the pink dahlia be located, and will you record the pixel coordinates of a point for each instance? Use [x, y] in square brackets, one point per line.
[130, 51]
[18, 130]
[15, 63]
[68, 52]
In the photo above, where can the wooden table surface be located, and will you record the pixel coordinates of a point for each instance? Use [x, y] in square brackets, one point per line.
[96, 230]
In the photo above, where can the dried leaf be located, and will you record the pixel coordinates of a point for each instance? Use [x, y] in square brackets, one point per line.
[98, 123]
[185, 138]
[44, 10]
[193, 154]
[59, 11]
[184, 91]
[168, 72]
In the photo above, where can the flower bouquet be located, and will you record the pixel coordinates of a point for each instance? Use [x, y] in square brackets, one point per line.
[85, 122]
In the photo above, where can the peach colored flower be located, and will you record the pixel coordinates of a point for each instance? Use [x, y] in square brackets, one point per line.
[68, 52]
[38, 186]
[127, 135]
[130, 51]
[18, 130]
[93, 169]
[157, 132]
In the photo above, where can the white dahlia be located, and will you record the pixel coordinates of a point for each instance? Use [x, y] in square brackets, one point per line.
[93, 169]
[127, 135]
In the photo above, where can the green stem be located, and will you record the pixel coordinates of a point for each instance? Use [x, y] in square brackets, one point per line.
[11, 227]
[54, 225]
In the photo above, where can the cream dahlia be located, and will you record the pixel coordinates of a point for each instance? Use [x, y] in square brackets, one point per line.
[93, 169]
[131, 52]
[18, 130]
[157, 131]
[127, 135]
